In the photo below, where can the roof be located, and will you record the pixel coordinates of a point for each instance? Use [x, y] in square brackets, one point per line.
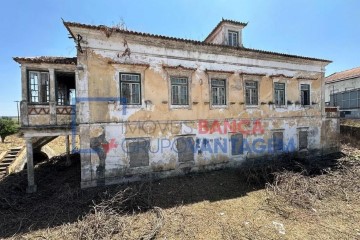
[46, 59]
[194, 42]
[347, 74]
[225, 21]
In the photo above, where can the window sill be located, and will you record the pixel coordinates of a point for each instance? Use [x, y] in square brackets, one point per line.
[219, 106]
[252, 106]
[180, 107]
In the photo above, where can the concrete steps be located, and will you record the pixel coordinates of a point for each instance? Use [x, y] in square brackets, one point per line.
[8, 159]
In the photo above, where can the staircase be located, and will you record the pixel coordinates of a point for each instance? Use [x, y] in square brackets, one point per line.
[8, 159]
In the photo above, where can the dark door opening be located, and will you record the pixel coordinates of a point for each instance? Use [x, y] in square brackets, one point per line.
[65, 88]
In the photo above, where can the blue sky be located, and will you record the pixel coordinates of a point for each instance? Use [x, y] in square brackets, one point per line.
[315, 28]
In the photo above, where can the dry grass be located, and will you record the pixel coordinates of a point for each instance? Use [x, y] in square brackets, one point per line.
[319, 199]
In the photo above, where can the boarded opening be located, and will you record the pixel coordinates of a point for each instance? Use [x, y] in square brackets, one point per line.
[303, 140]
[278, 140]
[237, 144]
[185, 147]
[138, 151]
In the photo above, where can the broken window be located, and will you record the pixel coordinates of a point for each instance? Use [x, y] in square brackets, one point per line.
[303, 140]
[237, 144]
[218, 92]
[251, 92]
[138, 151]
[305, 94]
[65, 88]
[278, 141]
[185, 148]
[130, 85]
[233, 38]
[279, 93]
[38, 87]
[179, 91]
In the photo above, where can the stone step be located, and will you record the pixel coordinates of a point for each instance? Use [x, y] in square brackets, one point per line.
[10, 156]
[3, 169]
[7, 160]
[12, 153]
[15, 148]
[4, 165]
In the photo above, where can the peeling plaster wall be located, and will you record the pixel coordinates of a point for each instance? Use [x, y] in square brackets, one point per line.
[105, 130]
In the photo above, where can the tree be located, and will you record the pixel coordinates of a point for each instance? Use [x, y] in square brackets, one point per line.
[7, 127]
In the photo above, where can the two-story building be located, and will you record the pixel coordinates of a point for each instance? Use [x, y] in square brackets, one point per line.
[148, 105]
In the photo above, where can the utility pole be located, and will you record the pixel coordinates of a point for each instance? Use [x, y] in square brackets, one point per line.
[17, 106]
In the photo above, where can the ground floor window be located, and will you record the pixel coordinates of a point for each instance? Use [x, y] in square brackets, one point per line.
[303, 139]
[138, 152]
[237, 144]
[185, 148]
[278, 141]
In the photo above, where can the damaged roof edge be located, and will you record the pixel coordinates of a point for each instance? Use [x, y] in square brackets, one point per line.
[46, 59]
[194, 42]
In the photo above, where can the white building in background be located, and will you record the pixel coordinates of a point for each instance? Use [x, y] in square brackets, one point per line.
[343, 89]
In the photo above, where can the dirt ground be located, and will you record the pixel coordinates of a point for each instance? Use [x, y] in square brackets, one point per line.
[308, 201]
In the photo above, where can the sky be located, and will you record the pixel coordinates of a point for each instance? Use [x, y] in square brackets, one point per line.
[314, 28]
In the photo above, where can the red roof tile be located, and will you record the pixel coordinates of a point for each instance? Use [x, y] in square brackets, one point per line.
[347, 74]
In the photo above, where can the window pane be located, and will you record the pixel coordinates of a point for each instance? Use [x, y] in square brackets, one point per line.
[135, 93]
[179, 91]
[34, 86]
[125, 92]
[130, 77]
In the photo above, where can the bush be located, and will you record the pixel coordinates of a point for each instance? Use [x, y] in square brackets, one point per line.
[7, 127]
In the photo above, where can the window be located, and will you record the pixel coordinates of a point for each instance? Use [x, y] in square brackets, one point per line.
[218, 92]
[303, 140]
[179, 91]
[185, 148]
[251, 92]
[278, 141]
[305, 94]
[38, 87]
[237, 144]
[138, 151]
[279, 93]
[130, 85]
[233, 38]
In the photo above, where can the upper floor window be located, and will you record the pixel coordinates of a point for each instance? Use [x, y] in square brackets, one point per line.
[218, 92]
[38, 87]
[305, 94]
[251, 93]
[279, 93]
[179, 91]
[130, 88]
[233, 38]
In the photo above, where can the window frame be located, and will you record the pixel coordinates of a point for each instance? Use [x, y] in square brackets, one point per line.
[179, 85]
[250, 97]
[276, 95]
[131, 82]
[39, 85]
[218, 87]
[301, 94]
[232, 33]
